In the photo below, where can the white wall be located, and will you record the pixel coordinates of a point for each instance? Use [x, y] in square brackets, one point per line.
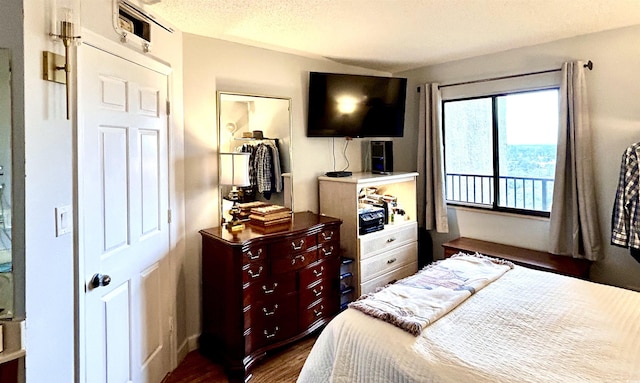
[211, 65]
[615, 119]
[48, 169]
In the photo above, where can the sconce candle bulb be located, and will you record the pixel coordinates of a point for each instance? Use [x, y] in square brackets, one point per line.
[66, 34]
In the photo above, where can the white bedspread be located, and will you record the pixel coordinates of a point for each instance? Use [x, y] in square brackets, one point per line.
[528, 326]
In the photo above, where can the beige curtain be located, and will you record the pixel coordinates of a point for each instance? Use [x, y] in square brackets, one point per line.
[432, 207]
[574, 229]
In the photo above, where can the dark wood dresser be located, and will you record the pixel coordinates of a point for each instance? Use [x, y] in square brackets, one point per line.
[264, 290]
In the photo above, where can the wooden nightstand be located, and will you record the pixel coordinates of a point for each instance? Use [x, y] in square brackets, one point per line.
[539, 260]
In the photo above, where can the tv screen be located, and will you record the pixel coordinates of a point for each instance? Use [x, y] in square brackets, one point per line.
[344, 105]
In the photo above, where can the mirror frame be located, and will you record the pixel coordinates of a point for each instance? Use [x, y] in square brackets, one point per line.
[219, 95]
[7, 187]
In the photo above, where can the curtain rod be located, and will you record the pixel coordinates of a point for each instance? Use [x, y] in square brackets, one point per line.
[588, 65]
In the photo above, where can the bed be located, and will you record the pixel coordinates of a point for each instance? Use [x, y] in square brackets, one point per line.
[526, 326]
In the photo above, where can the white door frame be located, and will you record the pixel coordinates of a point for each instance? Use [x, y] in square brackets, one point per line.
[95, 41]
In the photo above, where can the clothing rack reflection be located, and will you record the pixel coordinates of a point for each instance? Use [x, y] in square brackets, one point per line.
[253, 139]
[264, 172]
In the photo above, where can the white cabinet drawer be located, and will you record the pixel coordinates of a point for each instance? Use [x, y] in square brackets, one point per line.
[383, 263]
[385, 279]
[387, 239]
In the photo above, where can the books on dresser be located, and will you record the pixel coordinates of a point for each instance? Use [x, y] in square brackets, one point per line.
[270, 215]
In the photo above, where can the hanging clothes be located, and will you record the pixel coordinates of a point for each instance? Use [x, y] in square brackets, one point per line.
[263, 165]
[265, 173]
[625, 220]
[276, 169]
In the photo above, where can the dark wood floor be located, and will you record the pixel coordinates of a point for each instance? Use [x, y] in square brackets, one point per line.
[281, 366]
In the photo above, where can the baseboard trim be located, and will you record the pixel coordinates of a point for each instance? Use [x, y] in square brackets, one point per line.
[193, 342]
[188, 345]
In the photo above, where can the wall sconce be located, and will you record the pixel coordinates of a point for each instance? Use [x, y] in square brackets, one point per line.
[64, 25]
[234, 172]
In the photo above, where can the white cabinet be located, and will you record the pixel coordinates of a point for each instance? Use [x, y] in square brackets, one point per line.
[383, 256]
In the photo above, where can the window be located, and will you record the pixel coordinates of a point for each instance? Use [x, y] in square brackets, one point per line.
[504, 143]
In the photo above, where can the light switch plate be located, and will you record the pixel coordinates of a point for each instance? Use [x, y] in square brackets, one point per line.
[64, 221]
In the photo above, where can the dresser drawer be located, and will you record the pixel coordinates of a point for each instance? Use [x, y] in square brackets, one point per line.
[319, 310]
[323, 269]
[329, 234]
[276, 286]
[293, 261]
[295, 244]
[387, 239]
[325, 288]
[386, 262]
[329, 249]
[254, 254]
[385, 279]
[270, 331]
[254, 271]
[275, 311]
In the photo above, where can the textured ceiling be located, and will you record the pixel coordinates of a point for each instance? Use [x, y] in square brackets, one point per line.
[394, 35]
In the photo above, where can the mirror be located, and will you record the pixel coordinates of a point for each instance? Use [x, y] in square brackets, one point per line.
[260, 125]
[6, 267]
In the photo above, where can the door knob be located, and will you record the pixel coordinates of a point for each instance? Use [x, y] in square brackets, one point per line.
[100, 280]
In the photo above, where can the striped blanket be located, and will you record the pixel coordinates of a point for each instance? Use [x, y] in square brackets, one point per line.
[419, 300]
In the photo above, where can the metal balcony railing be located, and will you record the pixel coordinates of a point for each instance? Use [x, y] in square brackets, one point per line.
[528, 193]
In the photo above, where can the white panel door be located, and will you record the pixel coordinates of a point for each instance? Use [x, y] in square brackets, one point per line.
[123, 202]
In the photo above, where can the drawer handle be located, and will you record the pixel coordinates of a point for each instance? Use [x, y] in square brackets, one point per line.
[318, 313]
[318, 273]
[270, 291]
[391, 240]
[301, 257]
[269, 313]
[256, 275]
[327, 252]
[327, 237]
[390, 261]
[318, 292]
[299, 246]
[269, 336]
[254, 257]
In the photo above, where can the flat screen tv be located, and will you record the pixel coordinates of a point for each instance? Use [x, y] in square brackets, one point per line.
[345, 105]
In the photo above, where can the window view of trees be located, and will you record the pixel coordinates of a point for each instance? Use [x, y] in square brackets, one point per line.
[522, 156]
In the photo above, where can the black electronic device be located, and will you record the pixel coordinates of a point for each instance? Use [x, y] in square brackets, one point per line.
[342, 173]
[381, 157]
[370, 220]
[345, 105]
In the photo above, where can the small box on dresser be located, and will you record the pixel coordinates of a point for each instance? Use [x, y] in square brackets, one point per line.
[262, 291]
